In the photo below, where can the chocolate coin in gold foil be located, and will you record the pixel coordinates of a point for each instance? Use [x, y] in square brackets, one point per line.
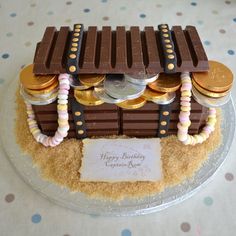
[76, 84]
[166, 83]
[46, 90]
[87, 98]
[91, 80]
[38, 100]
[31, 81]
[209, 93]
[218, 79]
[132, 104]
[166, 99]
[150, 94]
[208, 101]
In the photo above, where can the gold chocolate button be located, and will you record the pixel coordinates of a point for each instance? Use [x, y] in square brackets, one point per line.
[73, 49]
[31, 81]
[80, 131]
[132, 104]
[166, 35]
[166, 83]
[169, 50]
[74, 44]
[163, 123]
[168, 46]
[79, 123]
[77, 26]
[77, 113]
[72, 56]
[87, 98]
[165, 113]
[91, 80]
[72, 68]
[170, 66]
[75, 40]
[162, 131]
[171, 56]
[76, 34]
[218, 79]
[167, 41]
[77, 30]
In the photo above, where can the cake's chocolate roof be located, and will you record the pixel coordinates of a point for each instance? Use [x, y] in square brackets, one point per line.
[120, 51]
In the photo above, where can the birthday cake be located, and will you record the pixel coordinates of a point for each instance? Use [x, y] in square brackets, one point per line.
[138, 83]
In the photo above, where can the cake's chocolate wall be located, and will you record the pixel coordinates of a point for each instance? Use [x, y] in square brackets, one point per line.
[109, 119]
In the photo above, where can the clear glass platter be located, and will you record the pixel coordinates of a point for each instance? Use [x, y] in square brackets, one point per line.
[79, 201]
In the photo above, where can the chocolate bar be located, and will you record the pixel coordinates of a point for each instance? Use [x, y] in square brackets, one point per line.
[108, 119]
[120, 51]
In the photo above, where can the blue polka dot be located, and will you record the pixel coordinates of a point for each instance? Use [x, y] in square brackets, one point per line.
[122, 8]
[1, 81]
[193, 3]
[200, 22]
[208, 201]
[231, 52]
[9, 34]
[126, 232]
[142, 15]
[36, 218]
[5, 55]
[50, 13]
[234, 19]
[94, 215]
[104, 1]
[207, 43]
[86, 10]
[13, 14]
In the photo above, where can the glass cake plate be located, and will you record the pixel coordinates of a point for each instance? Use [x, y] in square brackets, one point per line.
[79, 201]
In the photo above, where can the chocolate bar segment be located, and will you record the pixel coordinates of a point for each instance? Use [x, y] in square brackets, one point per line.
[44, 51]
[90, 50]
[121, 50]
[136, 51]
[106, 48]
[60, 50]
[197, 51]
[73, 56]
[153, 59]
[181, 49]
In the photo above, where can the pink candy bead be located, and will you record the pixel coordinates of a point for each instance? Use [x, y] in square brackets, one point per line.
[64, 87]
[186, 86]
[185, 99]
[212, 111]
[63, 76]
[185, 104]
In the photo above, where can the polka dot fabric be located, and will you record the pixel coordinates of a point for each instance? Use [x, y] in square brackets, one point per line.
[23, 211]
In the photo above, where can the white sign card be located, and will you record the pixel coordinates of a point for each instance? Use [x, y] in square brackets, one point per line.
[121, 160]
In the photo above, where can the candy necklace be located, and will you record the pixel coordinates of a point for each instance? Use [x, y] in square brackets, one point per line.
[62, 110]
[184, 121]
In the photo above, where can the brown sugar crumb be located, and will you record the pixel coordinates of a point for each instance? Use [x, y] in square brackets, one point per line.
[61, 164]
